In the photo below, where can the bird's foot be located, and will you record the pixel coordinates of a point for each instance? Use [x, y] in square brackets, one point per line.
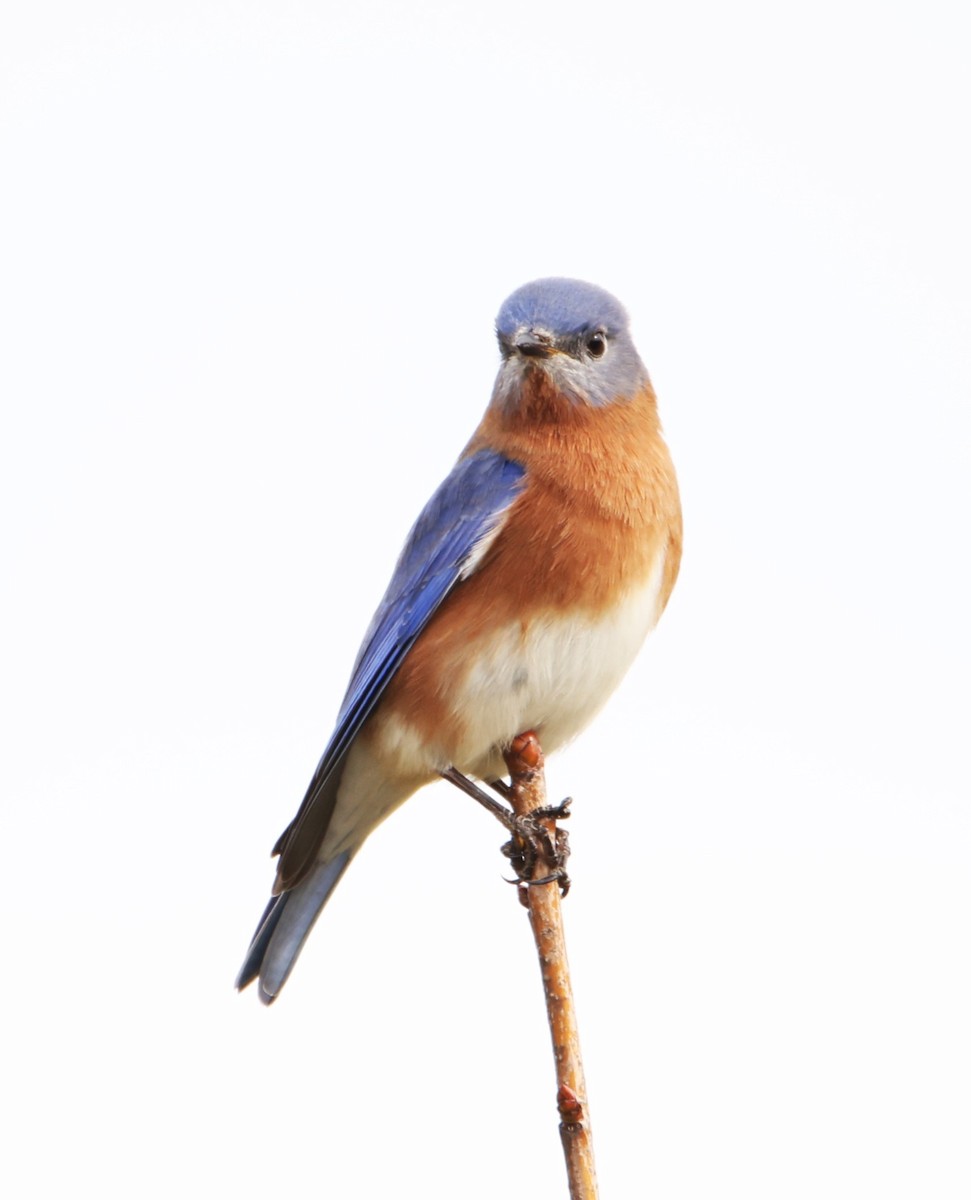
[533, 841]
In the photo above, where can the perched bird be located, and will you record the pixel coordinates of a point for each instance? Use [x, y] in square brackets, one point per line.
[520, 599]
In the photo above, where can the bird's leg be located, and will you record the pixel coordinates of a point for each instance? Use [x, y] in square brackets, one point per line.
[531, 839]
[499, 811]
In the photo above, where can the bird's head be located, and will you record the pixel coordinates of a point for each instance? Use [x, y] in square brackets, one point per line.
[568, 336]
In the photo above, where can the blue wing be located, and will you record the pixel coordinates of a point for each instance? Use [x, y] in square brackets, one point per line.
[468, 506]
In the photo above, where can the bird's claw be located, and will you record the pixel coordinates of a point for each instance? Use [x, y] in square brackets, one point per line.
[532, 841]
[553, 812]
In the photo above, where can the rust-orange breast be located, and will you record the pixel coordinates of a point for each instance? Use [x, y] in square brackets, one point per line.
[599, 508]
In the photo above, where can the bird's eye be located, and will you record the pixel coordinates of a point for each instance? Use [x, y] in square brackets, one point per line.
[597, 345]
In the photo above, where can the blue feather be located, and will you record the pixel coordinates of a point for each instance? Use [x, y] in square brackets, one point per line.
[563, 306]
[286, 925]
[467, 507]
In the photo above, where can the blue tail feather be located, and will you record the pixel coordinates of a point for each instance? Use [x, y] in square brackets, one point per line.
[284, 927]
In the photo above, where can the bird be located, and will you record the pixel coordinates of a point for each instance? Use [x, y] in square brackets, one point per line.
[521, 597]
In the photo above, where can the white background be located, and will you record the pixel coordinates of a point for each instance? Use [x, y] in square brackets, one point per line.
[251, 256]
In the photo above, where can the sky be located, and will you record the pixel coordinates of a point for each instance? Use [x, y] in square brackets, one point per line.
[250, 260]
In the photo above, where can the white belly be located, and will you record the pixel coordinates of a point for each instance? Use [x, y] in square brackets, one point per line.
[551, 677]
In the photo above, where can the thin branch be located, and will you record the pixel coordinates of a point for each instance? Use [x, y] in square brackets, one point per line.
[524, 760]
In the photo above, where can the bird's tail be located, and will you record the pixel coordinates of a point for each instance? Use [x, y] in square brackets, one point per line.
[284, 927]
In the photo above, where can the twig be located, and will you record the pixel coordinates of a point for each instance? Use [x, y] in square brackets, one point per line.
[524, 759]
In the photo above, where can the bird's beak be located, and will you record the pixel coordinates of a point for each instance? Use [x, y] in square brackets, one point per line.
[534, 343]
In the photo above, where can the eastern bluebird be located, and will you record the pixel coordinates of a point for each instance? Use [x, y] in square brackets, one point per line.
[520, 599]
